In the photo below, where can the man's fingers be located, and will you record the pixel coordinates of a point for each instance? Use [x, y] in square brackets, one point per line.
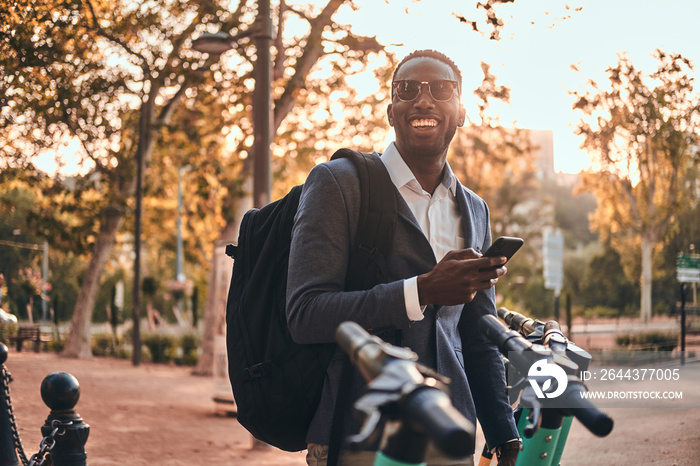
[462, 254]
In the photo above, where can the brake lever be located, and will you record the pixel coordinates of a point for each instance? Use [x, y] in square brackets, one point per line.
[384, 393]
[529, 399]
[370, 407]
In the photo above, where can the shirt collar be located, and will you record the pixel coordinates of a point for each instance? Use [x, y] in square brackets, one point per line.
[401, 175]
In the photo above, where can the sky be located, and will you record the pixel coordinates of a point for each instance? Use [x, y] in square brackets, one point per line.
[539, 43]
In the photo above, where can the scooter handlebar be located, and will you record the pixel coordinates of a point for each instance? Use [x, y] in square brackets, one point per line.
[425, 405]
[582, 409]
[432, 409]
[510, 343]
[505, 339]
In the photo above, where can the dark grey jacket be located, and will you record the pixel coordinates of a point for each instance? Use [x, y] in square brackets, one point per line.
[446, 339]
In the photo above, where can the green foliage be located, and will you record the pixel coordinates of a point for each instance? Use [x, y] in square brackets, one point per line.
[189, 345]
[103, 344]
[161, 347]
[92, 73]
[56, 345]
[605, 284]
[149, 286]
[7, 329]
[647, 341]
[642, 134]
[538, 302]
[606, 312]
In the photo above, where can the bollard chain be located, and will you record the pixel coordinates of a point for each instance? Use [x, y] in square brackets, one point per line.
[7, 378]
[48, 442]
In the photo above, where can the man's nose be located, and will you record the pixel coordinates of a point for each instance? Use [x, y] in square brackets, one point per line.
[424, 99]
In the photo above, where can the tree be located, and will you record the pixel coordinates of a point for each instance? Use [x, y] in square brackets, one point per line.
[112, 76]
[498, 164]
[316, 111]
[642, 135]
[604, 283]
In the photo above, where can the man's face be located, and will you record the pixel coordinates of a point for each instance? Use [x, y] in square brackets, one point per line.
[424, 127]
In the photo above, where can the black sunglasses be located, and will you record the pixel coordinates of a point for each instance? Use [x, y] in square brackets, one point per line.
[441, 90]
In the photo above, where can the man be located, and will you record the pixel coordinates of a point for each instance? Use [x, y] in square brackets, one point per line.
[435, 292]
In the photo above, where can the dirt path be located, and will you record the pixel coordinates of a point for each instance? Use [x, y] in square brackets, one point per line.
[162, 415]
[146, 415]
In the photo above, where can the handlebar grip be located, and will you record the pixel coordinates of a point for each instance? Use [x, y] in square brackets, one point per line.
[595, 420]
[507, 340]
[363, 349]
[517, 321]
[552, 325]
[350, 336]
[431, 408]
[554, 338]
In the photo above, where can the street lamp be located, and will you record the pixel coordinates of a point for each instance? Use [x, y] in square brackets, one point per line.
[179, 269]
[220, 42]
[262, 101]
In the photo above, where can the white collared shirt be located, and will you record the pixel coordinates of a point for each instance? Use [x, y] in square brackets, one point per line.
[437, 214]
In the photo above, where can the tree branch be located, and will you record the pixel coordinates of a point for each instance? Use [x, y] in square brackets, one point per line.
[312, 52]
[103, 33]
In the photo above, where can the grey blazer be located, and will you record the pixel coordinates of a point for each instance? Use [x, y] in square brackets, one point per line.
[446, 339]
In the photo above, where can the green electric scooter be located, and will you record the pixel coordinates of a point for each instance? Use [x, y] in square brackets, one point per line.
[543, 420]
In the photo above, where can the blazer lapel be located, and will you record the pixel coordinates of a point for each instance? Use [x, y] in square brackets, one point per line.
[468, 224]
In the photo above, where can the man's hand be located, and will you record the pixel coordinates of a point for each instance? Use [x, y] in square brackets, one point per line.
[456, 278]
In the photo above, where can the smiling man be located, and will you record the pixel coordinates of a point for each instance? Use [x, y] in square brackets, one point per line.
[435, 291]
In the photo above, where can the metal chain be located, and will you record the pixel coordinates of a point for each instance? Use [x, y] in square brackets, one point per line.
[7, 378]
[43, 457]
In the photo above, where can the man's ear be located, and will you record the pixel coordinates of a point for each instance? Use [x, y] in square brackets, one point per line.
[462, 115]
[390, 115]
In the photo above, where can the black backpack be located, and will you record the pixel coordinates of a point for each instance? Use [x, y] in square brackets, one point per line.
[276, 382]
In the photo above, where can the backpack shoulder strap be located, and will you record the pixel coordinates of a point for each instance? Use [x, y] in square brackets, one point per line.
[378, 214]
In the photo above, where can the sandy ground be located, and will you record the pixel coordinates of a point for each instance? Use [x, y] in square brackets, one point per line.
[146, 415]
[162, 415]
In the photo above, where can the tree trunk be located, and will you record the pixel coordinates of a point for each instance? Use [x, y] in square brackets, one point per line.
[219, 280]
[78, 341]
[30, 310]
[646, 278]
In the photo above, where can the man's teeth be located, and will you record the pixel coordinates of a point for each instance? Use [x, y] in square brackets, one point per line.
[422, 123]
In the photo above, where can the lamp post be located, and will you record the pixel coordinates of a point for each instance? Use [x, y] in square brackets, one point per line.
[262, 95]
[262, 104]
[179, 272]
[179, 268]
[262, 107]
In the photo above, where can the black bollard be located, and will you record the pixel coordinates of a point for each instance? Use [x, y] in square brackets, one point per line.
[60, 392]
[8, 456]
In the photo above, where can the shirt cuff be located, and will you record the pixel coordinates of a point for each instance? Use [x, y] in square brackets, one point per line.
[414, 310]
[496, 448]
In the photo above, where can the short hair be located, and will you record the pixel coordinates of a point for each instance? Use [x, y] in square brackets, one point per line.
[434, 54]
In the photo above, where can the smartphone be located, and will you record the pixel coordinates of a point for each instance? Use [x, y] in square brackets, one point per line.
[504, 246]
